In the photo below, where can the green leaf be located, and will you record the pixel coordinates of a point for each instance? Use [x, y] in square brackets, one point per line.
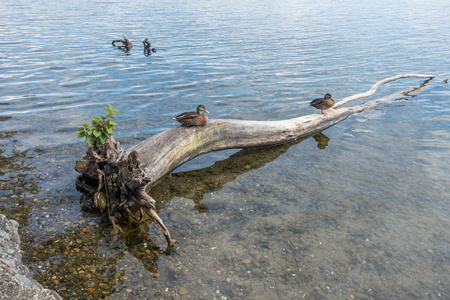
[103, 138]
[101, 128]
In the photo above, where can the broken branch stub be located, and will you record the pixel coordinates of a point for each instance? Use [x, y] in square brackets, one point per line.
[125, 42]
[127, 175]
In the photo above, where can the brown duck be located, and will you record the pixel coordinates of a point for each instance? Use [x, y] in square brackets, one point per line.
[193, 118]
[323, 103]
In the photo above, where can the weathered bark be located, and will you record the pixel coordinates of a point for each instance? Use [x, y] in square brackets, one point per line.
[135, 171]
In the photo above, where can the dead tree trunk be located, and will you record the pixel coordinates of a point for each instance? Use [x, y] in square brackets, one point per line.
[124, 176]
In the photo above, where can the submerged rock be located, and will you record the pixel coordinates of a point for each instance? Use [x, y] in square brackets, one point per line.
[15, 279]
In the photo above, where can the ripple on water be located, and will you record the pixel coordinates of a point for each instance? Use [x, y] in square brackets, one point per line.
[360, 211]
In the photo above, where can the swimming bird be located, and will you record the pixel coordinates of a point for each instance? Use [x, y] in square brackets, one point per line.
[323, 103]
[193, 118]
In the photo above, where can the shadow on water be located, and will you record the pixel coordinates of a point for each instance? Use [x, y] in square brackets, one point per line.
[82, 254]
[322, 140]
[195, 184]
[90, 249]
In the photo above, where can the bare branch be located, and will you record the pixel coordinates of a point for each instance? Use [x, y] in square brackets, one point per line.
[377, 85]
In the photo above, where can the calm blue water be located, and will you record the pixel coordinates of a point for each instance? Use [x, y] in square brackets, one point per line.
[366, 217]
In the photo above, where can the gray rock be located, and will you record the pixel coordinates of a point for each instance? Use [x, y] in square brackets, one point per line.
[15, 279]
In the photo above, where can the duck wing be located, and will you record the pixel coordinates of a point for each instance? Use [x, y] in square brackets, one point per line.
[186, 116]
[317, 102]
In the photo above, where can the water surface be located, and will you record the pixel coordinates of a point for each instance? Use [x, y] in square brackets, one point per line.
[358, 212]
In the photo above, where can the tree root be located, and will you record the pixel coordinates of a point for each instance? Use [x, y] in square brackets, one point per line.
[121, 184]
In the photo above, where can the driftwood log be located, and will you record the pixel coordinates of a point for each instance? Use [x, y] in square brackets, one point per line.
[126, 43]
[148, 47]
[124, 177]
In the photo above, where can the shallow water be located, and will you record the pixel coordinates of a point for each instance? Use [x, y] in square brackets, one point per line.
[359, 212]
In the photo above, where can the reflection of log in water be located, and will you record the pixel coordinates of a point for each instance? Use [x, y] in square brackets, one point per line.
[194, 184]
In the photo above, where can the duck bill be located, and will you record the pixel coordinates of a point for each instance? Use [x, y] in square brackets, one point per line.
[206, 111]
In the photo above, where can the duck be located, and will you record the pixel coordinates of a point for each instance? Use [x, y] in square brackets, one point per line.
[194, 118]
[323, 103]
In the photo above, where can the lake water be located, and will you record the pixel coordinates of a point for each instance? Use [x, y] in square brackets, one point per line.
[364, 216]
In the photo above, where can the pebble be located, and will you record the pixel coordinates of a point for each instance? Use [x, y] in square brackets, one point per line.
[178, 217]
[182, 291]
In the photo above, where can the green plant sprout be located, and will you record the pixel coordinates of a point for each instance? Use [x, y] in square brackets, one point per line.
[100, 129]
